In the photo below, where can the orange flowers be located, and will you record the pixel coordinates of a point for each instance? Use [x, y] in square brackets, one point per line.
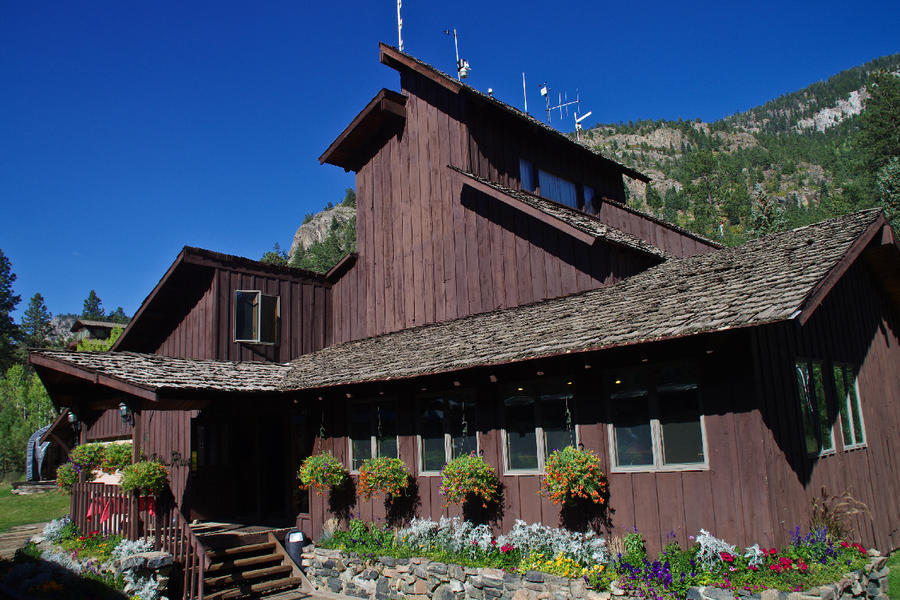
[571, 474]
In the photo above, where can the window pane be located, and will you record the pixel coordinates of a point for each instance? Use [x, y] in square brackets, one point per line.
[246, 315]
[386, 429]
[557, 188]
[268, 319]
[822, 407]
[807, 407]
[855, 409]
[679, 418]
[557, 421]
[631, 424]
[461, 424]
[521, 441]
[526, 175]
[360, 434]
[588, 198]
[431, 427]
[840, 392]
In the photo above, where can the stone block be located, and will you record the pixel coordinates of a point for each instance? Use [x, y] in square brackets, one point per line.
[456, 586]
[534, 576]
[490, 572]
[592, 595]
[443, 592]
[388, 561]
[856, 588]
[334, 584]
[351, 589]
[383, 586]
[456, 572]
[523, 595]
[439, 568]
[389, 572]
[473, 592]
[491, 582]
[577, 588]
[492, 592]
[421, 573]
[534, 587]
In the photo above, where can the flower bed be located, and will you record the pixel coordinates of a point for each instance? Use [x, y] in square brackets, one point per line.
[64, 563]
[455, 559]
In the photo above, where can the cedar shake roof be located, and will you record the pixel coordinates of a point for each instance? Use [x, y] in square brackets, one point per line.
[396, 59]
[159, 373]
[83, 323]
[771, 279]
[578, 220]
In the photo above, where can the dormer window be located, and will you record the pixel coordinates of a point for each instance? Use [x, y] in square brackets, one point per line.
[256, 317]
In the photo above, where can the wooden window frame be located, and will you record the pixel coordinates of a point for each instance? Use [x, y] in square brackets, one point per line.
[448, 436]
[258, 339]
[540, 440]
[809, 362]
[373, 437]
[847, 368]
[656, 439]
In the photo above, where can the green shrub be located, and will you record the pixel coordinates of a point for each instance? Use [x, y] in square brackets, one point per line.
[321, 472]
[66, 477]
[149, 477]
[116, 457]
[86, 457]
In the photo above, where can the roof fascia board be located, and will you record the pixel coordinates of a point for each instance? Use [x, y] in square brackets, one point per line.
[517, 204]
[397, 60]
[386, 100]
[62, 418]
[93, 377]
[150, 297]
[821, 290]
[343, 265]
[215, 260]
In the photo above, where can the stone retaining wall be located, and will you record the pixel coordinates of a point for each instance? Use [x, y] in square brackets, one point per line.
[386, 578]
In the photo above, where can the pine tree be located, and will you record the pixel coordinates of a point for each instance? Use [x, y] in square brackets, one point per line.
[9, 333]
[766, 214]
[118, 316]
[36, 323]
[275, 256]
[93, 308]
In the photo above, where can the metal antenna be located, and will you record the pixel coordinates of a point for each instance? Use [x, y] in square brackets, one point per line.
[578, 121]
[545, 92]
[399, 26]
[462, 65]
[524, 92]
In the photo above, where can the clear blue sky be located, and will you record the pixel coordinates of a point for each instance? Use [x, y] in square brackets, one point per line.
[131, 129]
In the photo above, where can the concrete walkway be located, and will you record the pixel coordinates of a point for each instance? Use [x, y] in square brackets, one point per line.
[16, 537]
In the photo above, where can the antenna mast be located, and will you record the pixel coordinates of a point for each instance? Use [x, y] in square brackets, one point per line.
[462, 65]
[399, 26]
[524, 92]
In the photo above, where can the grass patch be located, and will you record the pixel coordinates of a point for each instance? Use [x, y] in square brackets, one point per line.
[35, 508]
[894, 577]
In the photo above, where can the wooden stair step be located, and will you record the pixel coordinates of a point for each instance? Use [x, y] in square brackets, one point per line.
[243, 576]
[259, 588]
[266, 547]
[243, 562]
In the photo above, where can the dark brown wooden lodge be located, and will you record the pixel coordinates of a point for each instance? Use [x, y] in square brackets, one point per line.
[504, 299]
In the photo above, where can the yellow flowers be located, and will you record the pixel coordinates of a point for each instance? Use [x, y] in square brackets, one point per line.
[561, 566]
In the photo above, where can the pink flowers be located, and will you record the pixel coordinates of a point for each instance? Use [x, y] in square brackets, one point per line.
[726, 557]
[506, 548]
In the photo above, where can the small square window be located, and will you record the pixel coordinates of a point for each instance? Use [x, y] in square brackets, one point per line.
[256, 317]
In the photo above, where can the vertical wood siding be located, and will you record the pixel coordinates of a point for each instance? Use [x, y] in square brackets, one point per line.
[166, 434]
[854, 325]
[430, 251]
[207, 329]
[108, 425]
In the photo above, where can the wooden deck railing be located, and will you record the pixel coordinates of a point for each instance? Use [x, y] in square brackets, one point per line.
[109, 510]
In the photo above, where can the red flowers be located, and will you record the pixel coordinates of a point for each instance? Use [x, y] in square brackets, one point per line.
[506, 548]
[726, 557]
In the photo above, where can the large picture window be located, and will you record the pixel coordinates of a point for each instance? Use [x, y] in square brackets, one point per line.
[446, 428]
[256, 317]
[538, 418]
[817, 431]
[656, 421]
[373, 431]
[846, 391]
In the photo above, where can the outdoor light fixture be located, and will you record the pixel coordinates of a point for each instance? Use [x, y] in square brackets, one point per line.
[126, 414]
[73, 420]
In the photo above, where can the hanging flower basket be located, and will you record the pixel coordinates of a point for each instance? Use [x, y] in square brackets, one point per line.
[321, 472]
[469, 477]
[572, 475]
[145, 477]
[382, 475]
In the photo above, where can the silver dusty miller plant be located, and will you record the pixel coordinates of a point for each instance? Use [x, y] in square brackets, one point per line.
[585, 548]
[711, 548]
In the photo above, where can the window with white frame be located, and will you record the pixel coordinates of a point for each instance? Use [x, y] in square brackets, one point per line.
[817, 431]
[256, 317]
[656, 420]
[373, 431]
[446, 428]
[846, 391]
[538, 418]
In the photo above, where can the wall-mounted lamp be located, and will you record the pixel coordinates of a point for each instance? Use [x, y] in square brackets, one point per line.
[73, 420]
[126, 413]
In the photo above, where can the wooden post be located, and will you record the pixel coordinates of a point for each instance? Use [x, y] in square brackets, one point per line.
[136, 433]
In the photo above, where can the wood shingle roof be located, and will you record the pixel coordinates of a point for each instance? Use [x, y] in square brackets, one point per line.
[763, 281]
